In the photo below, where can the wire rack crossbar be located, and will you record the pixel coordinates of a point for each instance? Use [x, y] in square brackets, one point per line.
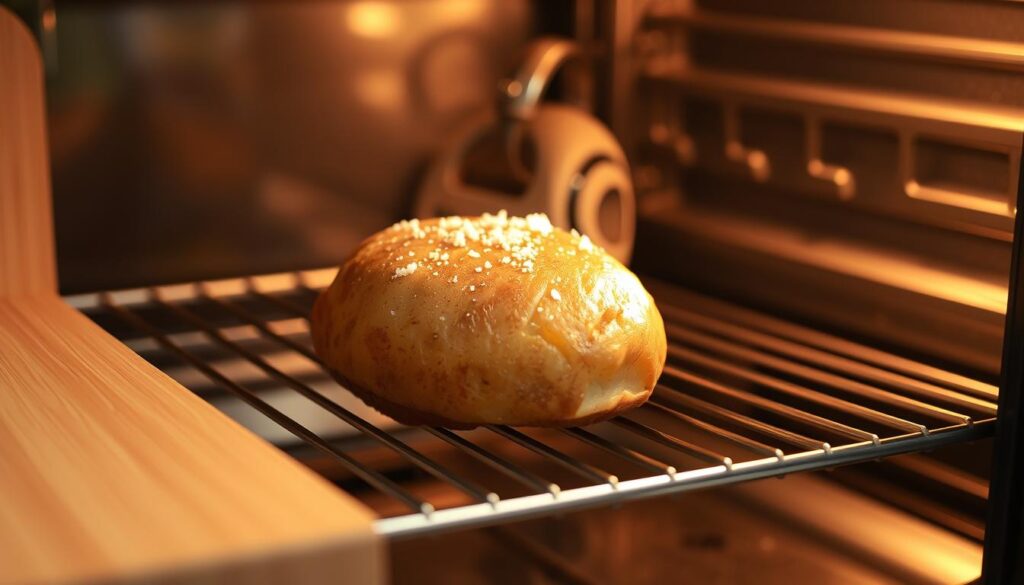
[744, 396]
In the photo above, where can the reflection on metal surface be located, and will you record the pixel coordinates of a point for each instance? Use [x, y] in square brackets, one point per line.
[49, 19]
[755, 160]
[998, 124]
[204, 140]
[833, 254]
[381, 89]
[376, 20]
[833, 419]
[896, 542]
[712, 537]
[998, 128]
[837, 175]
[893, 137]
[959, 198]
[999, 200]
[947, 48]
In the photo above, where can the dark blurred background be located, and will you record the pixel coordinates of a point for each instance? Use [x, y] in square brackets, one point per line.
[202, 140]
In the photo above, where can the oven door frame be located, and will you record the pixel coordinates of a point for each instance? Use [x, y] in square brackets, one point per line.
[1003, 561]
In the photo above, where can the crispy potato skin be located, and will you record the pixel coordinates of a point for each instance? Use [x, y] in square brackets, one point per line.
[475, 340]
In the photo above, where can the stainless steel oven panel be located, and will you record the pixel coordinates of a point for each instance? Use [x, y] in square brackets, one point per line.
[234, 138]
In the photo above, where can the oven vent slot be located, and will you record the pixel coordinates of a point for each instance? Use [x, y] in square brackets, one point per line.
[703, 73]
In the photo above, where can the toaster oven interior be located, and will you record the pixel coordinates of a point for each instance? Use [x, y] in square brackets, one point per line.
[745, 396]
[826, 198]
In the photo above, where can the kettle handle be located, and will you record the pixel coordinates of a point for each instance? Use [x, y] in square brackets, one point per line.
[521, 95]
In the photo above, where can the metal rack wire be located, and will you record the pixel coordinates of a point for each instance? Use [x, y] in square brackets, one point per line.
[744, 396]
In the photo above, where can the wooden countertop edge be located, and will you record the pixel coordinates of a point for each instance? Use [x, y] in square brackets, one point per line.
[112, 472]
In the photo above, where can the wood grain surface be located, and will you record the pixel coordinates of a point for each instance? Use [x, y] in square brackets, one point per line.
[27, 262]
[109, 470]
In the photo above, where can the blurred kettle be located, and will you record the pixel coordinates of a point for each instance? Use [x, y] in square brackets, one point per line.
[579, 175]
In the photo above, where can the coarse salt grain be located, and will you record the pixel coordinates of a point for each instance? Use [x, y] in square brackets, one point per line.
[521, 237]
[406, 270]
[488, 265]
[556, 295]
[539, 222]
[585, 244]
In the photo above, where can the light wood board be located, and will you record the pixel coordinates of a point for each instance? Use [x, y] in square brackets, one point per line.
[109, 470]
[26, 225]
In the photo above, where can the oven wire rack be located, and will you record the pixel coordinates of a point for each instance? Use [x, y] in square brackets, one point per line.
[768, 397]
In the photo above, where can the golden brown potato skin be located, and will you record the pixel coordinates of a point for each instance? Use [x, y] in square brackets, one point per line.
[565, 337]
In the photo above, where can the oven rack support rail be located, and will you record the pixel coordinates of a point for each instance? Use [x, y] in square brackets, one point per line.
[787, 397]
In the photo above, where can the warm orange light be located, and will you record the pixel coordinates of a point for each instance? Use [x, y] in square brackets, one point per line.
[49, 19]
[382, 88]
[372, 19]
[468, 9]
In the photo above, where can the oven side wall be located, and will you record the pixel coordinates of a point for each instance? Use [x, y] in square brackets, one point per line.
[1003, 562]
